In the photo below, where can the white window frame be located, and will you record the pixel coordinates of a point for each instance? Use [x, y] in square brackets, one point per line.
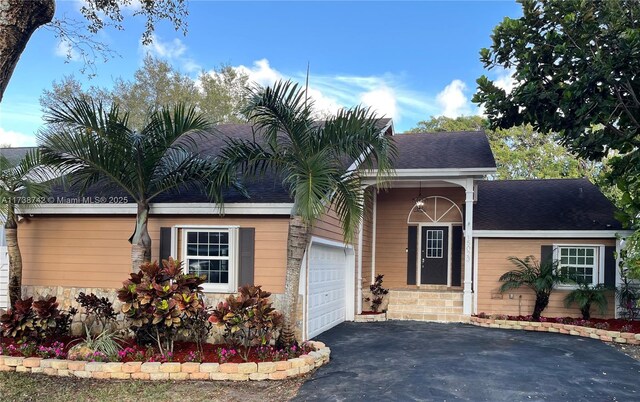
[232, 285]
[598, 274]
[438, 251]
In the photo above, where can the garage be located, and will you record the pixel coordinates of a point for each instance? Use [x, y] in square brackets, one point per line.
[330, 268]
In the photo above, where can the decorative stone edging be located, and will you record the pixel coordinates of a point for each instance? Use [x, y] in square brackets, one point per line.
[568, 329]
[171, 371]
[370, 317]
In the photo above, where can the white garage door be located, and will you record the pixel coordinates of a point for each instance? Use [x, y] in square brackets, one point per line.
[327, 288]
[4, 277]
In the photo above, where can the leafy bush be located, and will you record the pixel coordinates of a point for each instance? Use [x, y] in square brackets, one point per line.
[248, 319]
[587, 295]
[628, 296]
[158, 301]
[377, 292]
[107, 343]
[99, 310]
[35, 321]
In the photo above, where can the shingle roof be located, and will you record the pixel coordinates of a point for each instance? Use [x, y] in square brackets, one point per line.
[550, 204]
[443, 150]
[15, 154]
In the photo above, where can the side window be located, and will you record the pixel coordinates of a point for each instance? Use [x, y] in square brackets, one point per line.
[211, 252]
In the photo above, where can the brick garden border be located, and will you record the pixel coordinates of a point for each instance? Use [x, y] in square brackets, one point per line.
[171, 371]
[370, 317]
[567, 329]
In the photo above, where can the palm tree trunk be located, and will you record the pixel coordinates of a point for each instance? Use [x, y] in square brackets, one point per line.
[140, 240]
[15, 258]
[297, 242]
[542, 301]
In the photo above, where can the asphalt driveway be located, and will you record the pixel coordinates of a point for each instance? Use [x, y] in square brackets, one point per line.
[405, 361]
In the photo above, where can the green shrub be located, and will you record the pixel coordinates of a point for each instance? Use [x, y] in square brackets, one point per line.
[542, 278]
[158, 301]
[587, 295]
[248, 319]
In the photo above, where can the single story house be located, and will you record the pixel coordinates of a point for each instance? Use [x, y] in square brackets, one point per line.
[440, 233]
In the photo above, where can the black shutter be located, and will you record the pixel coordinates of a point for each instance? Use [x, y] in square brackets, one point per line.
[165, 244]
[610, 266]
[411, 255]
[546, 254]
[247, 242]
[456, 255]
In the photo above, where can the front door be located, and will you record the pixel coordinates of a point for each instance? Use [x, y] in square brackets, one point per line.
[434, 255]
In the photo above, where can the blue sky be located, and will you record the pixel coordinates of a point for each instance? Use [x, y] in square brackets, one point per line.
[408, 60]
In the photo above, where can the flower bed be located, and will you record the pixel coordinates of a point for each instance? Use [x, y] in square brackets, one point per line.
[552, 325]
[277, 370]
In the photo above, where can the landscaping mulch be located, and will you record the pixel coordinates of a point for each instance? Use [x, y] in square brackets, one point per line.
[632, 351]
[39, 387]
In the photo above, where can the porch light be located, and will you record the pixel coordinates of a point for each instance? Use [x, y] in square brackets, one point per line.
[419, 200]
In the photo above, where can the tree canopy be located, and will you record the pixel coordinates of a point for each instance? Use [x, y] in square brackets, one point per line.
[520, 151]
[575, 65]
[218, 94]
[19, 19]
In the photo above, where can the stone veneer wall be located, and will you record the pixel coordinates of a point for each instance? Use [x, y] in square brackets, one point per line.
[171, 371]
[66, 297]
[567, 329]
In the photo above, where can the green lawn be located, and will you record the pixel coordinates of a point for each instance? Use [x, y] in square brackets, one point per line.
[39, 387]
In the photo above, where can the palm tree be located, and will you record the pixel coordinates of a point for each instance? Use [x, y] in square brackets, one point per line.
[93, 145]
[312, 160]
[587, 295]
[22, 181]
[542, 278]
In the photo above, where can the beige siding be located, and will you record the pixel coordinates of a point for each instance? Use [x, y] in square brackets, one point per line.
[492, 263]
[93, 251]
[394, 206]
[367, 239]
[328, 227]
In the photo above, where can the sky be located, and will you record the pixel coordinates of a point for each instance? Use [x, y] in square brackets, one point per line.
[406, 60]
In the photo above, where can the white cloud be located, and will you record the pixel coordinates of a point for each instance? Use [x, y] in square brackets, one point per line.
[16, 139]
[261, 72]
[65, 50]
[174, 51]
[504, 79]
[382, 100]
[453, 101]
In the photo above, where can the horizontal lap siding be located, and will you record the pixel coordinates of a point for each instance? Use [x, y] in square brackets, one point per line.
[94, 251]
[328, 226]
[492, 263]
[394, 206]
[367, 239]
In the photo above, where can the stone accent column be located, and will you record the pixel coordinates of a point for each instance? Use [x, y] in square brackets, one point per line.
[467, 302]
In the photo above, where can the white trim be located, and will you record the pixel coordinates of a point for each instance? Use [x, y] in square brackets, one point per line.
[303, 288]
[359, 262]
[373, 235]
[578, 234]
[618, 280]
[448, 172]
[181, 208]
[467, 297]
[475, 276]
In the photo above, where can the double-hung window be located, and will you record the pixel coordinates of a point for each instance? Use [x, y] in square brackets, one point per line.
[211, 252]
[580, 263]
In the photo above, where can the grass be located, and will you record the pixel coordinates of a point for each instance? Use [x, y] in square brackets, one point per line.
[39, 387]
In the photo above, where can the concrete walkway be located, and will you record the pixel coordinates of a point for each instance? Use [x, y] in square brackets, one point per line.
[407, 361]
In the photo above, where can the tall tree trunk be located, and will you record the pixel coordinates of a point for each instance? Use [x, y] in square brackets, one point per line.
[297, 243]
[18, 20]
[140, 240]
[15, 258]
